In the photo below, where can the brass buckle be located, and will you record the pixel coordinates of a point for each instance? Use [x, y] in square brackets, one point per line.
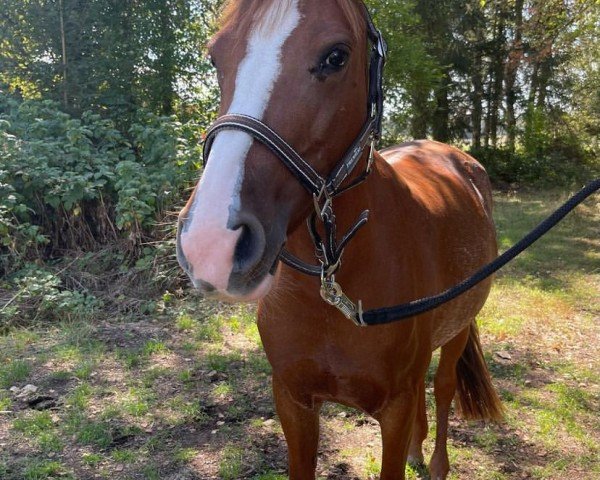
[332, 293]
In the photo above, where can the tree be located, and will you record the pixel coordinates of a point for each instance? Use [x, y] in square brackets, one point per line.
[411, 72]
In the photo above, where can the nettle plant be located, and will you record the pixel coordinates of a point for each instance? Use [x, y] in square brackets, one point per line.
[75, 183]
[79, 183]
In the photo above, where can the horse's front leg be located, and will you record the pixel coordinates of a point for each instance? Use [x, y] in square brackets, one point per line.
[420, 430]
[301, 430]
[396, 422]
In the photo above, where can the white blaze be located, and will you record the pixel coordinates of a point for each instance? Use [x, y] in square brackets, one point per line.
[207, 242]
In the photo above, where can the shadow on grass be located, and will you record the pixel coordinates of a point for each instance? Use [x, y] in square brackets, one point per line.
[571, 246]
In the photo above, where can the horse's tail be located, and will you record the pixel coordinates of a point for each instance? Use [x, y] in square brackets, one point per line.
[476, 396]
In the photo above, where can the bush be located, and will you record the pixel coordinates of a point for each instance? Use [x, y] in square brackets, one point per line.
[69, 183]
[81, 185]
[559, 164]
[39, 292]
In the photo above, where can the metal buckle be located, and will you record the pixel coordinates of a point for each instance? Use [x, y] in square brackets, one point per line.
[332, 293]
[325, 210]
[381, 45]
[371, 156]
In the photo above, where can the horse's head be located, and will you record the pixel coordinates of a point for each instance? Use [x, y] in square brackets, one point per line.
[299, 66]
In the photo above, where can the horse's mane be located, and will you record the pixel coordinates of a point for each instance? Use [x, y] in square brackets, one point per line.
[236, 12]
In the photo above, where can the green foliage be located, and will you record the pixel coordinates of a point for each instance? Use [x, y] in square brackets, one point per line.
[34, 425]
[78, 181]
[549, 155]
[41, 470]
[40, 292]
[78, 184]
[270, 476]
[411, 73]
[109, 57]
[167, 155]
[231, 463]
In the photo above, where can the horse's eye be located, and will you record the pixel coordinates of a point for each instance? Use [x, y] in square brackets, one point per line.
[334, 60]
[337, 58]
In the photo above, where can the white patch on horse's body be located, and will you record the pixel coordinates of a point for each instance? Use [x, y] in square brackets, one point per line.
[479, 195]
[399, 153]
[217, 199]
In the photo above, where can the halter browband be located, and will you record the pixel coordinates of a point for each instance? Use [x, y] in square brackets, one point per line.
[328, 250]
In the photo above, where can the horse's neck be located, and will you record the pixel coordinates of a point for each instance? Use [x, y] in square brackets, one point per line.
[378, 264]
[383, 194]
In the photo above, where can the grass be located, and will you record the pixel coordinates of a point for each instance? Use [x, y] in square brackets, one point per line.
[14, 372]
[41, 470]
[187, 393]
[231, 464]
[34, 424]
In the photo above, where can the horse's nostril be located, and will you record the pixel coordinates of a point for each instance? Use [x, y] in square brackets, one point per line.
[250, 246]
[243, 249]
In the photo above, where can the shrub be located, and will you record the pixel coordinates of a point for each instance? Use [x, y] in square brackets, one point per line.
[77, 183]
[80, 184]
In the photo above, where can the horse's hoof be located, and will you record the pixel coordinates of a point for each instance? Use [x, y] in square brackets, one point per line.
[416, 460]
[417, 463]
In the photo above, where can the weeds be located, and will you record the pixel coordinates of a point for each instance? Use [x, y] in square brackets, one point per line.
[34, 425]
[42, 470]
[230, 467]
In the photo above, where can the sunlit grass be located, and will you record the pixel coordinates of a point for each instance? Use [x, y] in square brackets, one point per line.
[34, 424]
[230, 467]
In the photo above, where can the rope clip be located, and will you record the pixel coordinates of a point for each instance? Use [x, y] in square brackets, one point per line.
[332, 293]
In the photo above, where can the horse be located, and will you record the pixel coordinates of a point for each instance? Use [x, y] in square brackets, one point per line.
[297, 71]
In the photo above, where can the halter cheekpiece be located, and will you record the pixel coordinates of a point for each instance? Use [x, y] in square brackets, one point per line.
[328, 249]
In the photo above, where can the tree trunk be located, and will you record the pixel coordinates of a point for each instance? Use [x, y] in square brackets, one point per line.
[498, 80]
[477, 99]
[166, 60]
[545, 73]
[418, 124]
[441, 117]
[512, 67]
[63, 42]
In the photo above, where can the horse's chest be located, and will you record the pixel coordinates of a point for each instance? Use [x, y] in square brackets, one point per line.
[337, 371]
[314, 380]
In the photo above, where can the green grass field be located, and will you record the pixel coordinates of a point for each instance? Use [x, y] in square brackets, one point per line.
[186, 394]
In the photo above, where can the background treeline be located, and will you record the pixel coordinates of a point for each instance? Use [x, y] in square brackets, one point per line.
[516, 81]
[103, 105]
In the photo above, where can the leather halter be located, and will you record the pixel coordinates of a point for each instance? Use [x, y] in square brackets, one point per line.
[328, 250]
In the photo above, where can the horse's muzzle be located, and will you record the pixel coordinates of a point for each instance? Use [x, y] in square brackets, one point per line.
[225, 262]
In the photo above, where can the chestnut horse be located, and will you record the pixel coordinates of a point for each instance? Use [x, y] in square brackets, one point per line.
[299, 66]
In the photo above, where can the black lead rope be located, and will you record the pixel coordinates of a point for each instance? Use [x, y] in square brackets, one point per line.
[399, 312]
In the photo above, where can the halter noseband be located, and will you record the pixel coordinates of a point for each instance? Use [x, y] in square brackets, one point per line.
[328, 250]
